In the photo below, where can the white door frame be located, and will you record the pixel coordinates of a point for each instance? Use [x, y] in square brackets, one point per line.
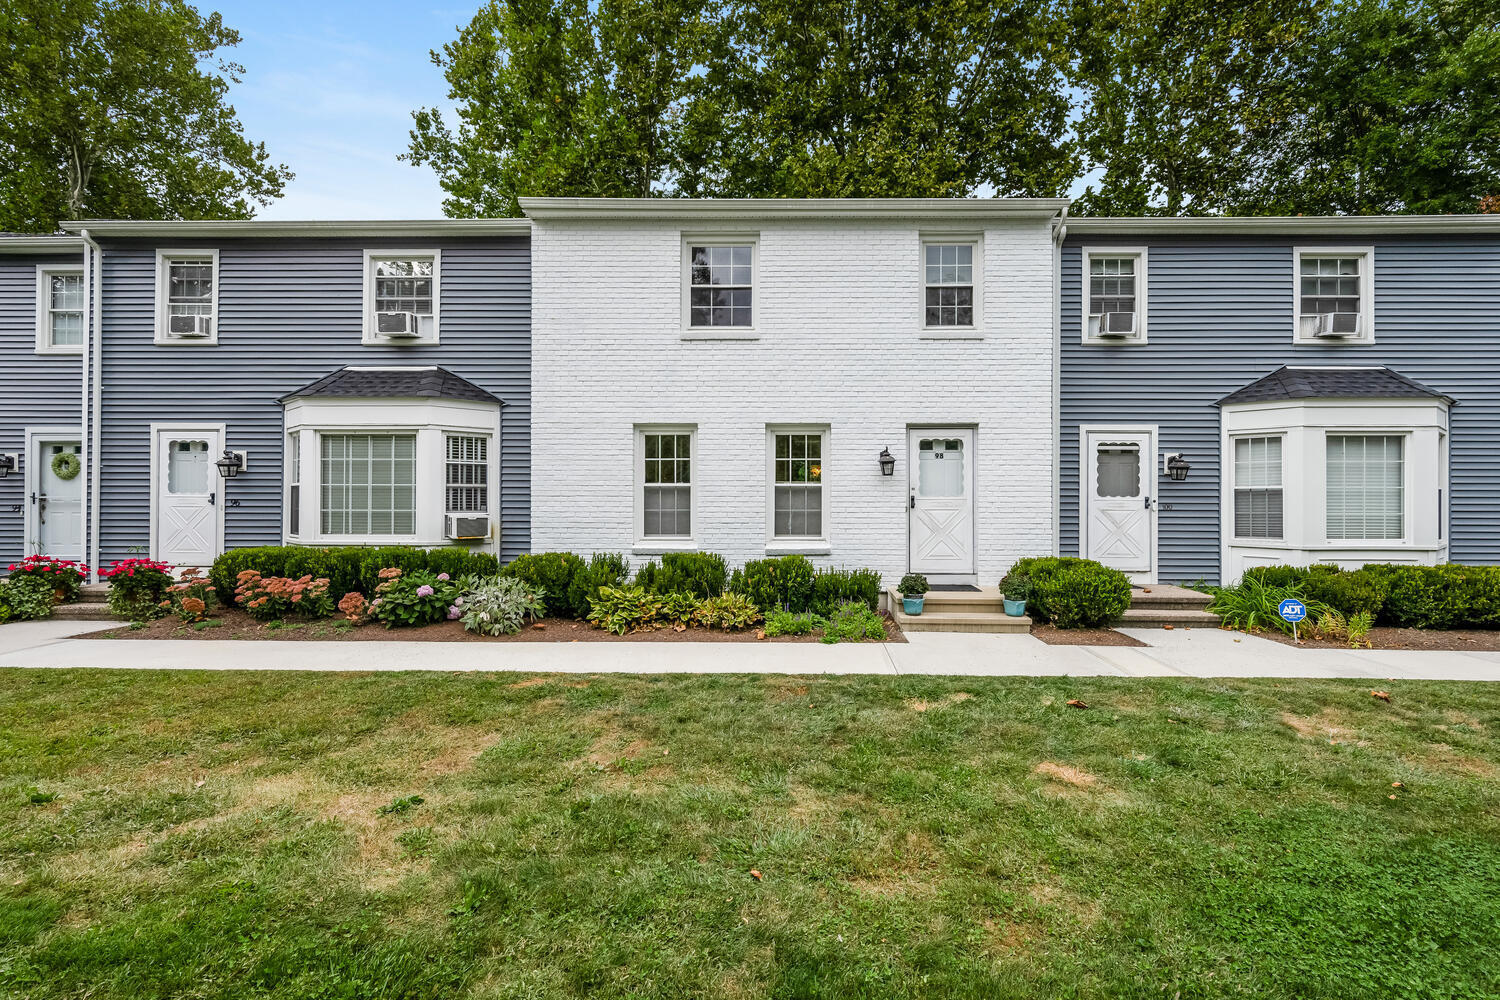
[1150, 479]
[972, 474]
[155, 431]
[31, 481]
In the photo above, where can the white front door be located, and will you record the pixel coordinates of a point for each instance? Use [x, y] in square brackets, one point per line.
[1119, 523]
[56, 502]
[188, 496]
[941, 461]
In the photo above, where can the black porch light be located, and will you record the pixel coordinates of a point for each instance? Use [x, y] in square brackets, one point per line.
[887, 462]
[7, 465]
[231, 465]
[1177, 467]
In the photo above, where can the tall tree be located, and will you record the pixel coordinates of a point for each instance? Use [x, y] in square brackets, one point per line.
[561, 97]
[106, 110]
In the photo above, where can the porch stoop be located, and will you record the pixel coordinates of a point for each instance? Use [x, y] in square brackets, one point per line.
[1164, 604]
[90, 606]
[958, 611]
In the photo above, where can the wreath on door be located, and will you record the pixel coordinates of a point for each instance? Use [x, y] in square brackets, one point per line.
[65, 465]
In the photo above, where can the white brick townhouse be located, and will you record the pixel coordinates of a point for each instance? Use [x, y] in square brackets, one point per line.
[867, 382]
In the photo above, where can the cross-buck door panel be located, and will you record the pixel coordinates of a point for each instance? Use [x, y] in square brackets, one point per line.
[188, 497]
[1119, 521]
[942, 501]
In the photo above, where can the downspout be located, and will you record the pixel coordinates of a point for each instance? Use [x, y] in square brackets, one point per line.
[1059, 233]
[92, 334]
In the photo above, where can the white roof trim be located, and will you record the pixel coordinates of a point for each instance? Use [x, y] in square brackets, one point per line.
[40, 244]
[720, 209]
[1331, 225]
[190, 229]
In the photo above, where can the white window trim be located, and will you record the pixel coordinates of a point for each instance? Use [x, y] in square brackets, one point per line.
[1405, 435]
[489, 446]
[785, 545]
[291, 473]
[1142, 284]
[162, 337]
[1366, 257]
[657, 544]
[690, 332]
[1231, 470]
[974, 332]
[44, 345]
[368, 336]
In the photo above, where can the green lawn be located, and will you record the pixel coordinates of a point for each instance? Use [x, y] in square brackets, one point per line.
[221, 835]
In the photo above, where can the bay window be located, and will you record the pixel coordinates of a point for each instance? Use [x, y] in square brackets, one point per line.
[1365, 486]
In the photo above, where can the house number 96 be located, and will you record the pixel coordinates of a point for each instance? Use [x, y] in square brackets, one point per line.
[234, 503]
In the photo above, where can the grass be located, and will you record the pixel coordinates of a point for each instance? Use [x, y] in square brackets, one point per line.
[222, 835]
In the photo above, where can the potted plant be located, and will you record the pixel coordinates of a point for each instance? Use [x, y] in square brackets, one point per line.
[1015, 590]
[913, 589]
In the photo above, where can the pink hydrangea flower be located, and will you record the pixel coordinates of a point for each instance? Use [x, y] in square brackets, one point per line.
[443, 576]
[424, 591]
[453, 613]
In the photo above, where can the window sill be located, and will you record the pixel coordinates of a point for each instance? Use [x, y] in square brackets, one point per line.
[75, 350]
[186, 341]
[398, 342]
[807, 548]
[957, 333]
[740, 334]
[1301, 341]
[659, 547]
[1113, 342]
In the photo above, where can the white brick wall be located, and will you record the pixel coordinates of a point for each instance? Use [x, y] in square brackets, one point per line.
[837, 313]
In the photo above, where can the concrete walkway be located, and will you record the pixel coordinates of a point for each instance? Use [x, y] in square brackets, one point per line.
[1176, 653]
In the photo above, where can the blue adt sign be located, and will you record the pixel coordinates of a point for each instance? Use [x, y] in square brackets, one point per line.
[1292, 610]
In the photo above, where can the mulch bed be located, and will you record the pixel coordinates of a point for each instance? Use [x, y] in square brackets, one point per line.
[236, 624]
[1054, 636]
[1384, 637]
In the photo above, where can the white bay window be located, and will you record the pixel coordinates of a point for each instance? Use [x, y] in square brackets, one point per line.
[1257, 487]
[368, 484]
[1365, 488]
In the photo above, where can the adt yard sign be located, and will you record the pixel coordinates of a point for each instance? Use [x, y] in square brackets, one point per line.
[1293, 611]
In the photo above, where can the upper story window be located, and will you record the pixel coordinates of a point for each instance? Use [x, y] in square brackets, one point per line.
[719, 287]
[401, 296]
[948, 284]
[1334, 296]
[1366, 495]
[1257, 487]
[59, 321]
[1114, 296]
[187, 296]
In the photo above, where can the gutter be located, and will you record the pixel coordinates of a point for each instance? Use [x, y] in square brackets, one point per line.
[92, 334]
[751, 209]
[1059, 234]
[251, 228]
[1329, 225]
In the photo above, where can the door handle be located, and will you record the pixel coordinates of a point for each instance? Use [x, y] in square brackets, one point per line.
[40, 499]
[210, 499]
[1148, 503]
[913, 504]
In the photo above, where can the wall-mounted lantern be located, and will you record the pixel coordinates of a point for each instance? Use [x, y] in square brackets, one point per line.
[232, 464]
[887, 462]
[8, 464]
[1177, 467]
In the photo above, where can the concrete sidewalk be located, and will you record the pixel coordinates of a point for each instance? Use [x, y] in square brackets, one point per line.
[1176, 653]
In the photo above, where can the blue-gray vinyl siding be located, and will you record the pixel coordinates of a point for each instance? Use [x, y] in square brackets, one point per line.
[290, 312]
[1220, 316]
[35, 389]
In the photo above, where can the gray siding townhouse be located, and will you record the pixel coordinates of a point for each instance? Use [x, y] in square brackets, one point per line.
[1333, 386]
[370, 379]
[41, 396]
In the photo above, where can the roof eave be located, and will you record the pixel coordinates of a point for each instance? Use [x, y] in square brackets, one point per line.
[227, 228]
[747, 209]
[1323, 225]
[40, 244]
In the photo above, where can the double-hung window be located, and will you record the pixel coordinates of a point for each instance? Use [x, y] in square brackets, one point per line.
[187, 297]
[59, 296]
[796, 484]
[666, 478]
[948, 285]
[1334, 296]
[401, 297]
[1365, 486]
[294, 483]
[368, 484]
[1257, 487]
[720, 285]
[1114, 297]
[467, 474]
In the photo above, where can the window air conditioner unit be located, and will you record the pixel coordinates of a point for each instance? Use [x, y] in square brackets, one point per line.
[1117, 324]
[1337, 325]
[396, 324]
[190, 326]
[468, 526]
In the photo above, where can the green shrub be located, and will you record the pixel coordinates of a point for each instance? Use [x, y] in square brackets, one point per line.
[25, 597]
[497, 605]
[1442, 597]
[786, 582]
[702, 574]
[348, 568]
[832, 587]
[853, 623]
[1350, 593]
[786, 623]
[912, 585]
[1081, 592]
[731, 612]
[678, 609]
[553, 572]
[1015, 587]
[138, 588]
[625, 609]
[605, 569]
[408, 600]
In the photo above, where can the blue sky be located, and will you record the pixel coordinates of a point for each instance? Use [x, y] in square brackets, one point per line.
[329, 87]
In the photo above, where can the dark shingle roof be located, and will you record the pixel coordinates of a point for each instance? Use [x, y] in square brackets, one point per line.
[394, 383]
[1332, 383]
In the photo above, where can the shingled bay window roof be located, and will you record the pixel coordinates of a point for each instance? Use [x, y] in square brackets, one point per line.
[1332, 383]
[427, 382]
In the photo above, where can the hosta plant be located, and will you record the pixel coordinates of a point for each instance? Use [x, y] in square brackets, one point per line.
[731, 612]
[498, 605]
[625, 609]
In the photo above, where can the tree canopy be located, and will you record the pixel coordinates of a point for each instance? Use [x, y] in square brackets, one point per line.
[1156, 106]
[106, 110]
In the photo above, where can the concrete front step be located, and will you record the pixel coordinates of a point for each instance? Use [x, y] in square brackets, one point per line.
[1168, 596]
[958, 611]
[1176, 617]
[83, 611]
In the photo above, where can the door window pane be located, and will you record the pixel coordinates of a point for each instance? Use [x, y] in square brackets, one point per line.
[187, 467]
[368, 484]
[1365, 487]
[940, 467]
[1117, 470]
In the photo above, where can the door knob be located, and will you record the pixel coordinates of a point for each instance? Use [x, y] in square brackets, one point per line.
[210, 499]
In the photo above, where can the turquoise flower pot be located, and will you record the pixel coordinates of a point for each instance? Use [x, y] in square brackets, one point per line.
[911, 605]
[1016, 609]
